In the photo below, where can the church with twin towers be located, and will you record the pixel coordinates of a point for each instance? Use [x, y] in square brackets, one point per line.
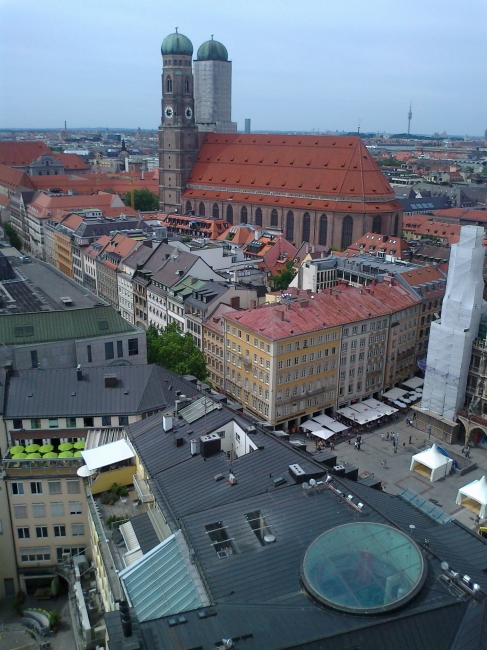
[323, 189]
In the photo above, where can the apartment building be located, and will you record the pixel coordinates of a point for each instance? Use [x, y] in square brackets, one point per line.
[213, 343]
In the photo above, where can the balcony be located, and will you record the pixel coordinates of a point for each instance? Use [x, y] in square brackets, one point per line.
[142, 489]
[16, 468]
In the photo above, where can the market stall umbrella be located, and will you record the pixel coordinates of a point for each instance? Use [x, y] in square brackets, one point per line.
[30, 449]
[66, 454]
[45, 448]
[18, 456]
[77, 454]
[80, 444]
[65, 446]
[16, 449]
[50, 454]
[34, 455]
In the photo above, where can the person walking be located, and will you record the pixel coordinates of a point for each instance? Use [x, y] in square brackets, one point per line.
[383, 463]
[467, 452]
[382, 436]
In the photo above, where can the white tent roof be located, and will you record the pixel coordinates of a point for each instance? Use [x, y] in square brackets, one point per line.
[330, 423]
[109, 454]
[476, 490]
[431, 457]
[394, 393]
[413, 383]
[369, 415]
[309, 425]
[380, 406]
[324, 434]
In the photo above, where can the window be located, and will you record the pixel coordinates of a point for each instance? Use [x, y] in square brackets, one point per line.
[36, 487]
[71, 423]
[219, 539]
[106, 420]
[35, 423]
[323, 231]
[77, 530]
[57, 509]
[23, 533]
[260, 527]
[109, 354]
[133, 347]
[306, 227]
[53, 423]
[54, 487]
[34, 362]
[88, 422]
[42, 554]
[290, 226]
[41, 531]
[59, 531]
[243, 215]
[73, 486]
[119, 349]
[75, 508]
[38, 510]
[230, 214]
[17, 488]
[88, 353]
[258, 217]
[123, 420]
[20, 511]
[347, 232]
[169, 85]
[17, 423]
[274, 218]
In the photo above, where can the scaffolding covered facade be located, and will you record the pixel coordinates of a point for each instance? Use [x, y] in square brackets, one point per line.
[451, 338]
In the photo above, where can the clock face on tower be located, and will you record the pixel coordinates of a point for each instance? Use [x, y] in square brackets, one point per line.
[169, 112]
[188, 112]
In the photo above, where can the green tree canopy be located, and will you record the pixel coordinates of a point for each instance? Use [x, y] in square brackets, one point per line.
[13, 237]
[144, 200]
[175, 351]
[285, 277]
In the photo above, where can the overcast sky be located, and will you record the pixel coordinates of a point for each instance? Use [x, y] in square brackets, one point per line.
[297, 65]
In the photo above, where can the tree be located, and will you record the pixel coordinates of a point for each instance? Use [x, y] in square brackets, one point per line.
[285, 277]
[12, 235]
[144, 200]
[172, 349]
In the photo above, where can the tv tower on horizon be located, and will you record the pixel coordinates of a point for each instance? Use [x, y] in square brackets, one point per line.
[410, 114]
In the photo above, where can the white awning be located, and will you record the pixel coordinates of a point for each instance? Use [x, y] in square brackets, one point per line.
[394, 393]
[109, 454]
[330, 423]
[309, 425]
[84, 471]
[413, 383]
[380, 406]
[324, 434]
[368, 415]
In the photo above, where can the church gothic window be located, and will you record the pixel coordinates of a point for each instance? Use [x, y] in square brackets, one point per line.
[306, 227]
[189, 207]
[169, 85]
[396, 225]
[186, 85]
[201, 209]
[347, 232]
[258, 217]
[376, 224]
[230, 214]
[216, 211]
[274, 218]
[243, 215]
[290, 226]
[323, 234]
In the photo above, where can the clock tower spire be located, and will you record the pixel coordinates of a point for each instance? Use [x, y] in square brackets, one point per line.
[178, 134]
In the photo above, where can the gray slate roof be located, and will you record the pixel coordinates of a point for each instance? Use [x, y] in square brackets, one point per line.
[139, 389]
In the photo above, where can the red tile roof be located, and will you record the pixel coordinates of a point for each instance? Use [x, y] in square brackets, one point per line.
[14, 178]
[331, 308]
[89, 183]
[20, 154]
[415, 277]
[445, 231]
[45, 203]
[280, 169]
[71, 161]
[374, 243]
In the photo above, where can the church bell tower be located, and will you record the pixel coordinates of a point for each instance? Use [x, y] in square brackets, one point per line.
[178, 134]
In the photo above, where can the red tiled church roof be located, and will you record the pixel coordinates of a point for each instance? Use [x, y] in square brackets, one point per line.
[309, 172]
[20, 154]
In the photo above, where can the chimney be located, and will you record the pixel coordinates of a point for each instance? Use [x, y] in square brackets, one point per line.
[235, 302]
[167, 422]
[385, 238]
[279, 314]
[126, 618]
[253, 304]
[110, 381]
[304, 303]
[79, 372]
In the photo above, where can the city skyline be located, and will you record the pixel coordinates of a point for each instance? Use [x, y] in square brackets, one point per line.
[325, 68]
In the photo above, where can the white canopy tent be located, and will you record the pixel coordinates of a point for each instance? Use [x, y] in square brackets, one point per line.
[369, 415]
[324, 434]
[413, 383]
[394, 393]
[309, 425]
[474, 497]
[109, 454]
[380, 406]
[330, 423]
[431, 464]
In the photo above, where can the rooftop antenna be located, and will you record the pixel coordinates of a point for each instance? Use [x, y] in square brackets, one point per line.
[410, 114]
